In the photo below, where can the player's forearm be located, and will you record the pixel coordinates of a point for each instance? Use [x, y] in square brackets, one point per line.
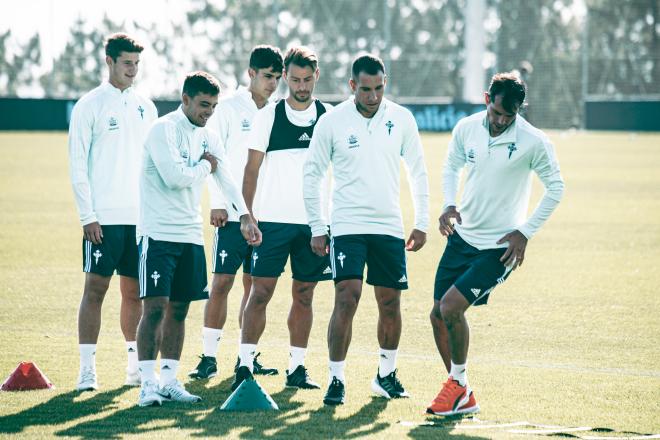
[250, 178]
[225, 181]
[545, 208]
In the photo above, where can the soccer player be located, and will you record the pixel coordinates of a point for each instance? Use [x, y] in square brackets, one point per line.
[499, 150]
[232, 120]
[107, 130]
[179, 154]
[365, 138]
[280, 140]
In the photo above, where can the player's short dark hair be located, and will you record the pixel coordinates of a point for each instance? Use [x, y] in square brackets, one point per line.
[117, 43]
[510, 87]
[200, 82]
[367, 63]
[264, 56]
[301, 56]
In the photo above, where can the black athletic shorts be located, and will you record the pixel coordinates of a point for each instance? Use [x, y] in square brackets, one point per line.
[279, 240]
[384, 255]
[175, 270]
[118, 251]
[230, 250]
[475, 273]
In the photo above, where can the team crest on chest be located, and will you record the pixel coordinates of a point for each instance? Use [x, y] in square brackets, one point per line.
[205, 146]
[512, 148]
[389, 126]
[471, 155]
[141, 110]
[353, 141]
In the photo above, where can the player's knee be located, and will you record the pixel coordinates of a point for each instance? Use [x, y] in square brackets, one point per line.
[222, 284]
[153, 313]
[450, 310]
[178, 311]
[303, 295]
[390, 310]
[347, 301]
[95, 288]
[259, 297]
[435, 315]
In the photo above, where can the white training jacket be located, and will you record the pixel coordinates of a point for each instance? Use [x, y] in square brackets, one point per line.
[173, 178]
[366, 155]
[232, 121]
[498, 179]
[106, 136]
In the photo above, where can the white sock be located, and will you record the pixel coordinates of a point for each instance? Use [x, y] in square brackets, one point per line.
[459, 373]
[87, 356]
[387, 363]
[210, 340]
[337, 370]
[296, 357]
[246, 354]
[147, 371]
[168, 369]
[131, 350]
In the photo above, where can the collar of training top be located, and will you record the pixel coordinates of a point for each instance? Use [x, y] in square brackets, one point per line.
[509, 135]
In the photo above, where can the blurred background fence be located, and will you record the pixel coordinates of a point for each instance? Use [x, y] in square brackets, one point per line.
[574, 54]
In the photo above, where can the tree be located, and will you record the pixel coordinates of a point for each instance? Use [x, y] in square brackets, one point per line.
[80, 67]
[17, 68]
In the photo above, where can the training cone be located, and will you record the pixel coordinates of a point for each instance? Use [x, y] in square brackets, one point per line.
[249, 396]
[27, 376]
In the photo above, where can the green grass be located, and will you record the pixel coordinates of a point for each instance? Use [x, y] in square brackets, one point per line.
[571, 339]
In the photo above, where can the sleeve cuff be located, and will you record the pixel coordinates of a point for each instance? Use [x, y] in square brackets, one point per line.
[526, 231]
[320, 230]
[87, 220]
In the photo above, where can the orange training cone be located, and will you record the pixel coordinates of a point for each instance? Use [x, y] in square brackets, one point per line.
[27, 376]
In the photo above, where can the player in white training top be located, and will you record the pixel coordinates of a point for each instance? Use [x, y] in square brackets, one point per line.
[278, 144]
[179, 154]
[499, 150]
[232, 120]
[106, 134]
[365, 138]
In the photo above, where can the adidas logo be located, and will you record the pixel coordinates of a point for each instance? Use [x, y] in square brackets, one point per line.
[403, 279]
[166, 367]
[305, 138]
[476, 291]
[131, 350]
[327, 270]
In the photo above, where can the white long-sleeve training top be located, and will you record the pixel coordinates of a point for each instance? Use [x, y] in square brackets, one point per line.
[106, 136]
[366, 154]
[232, 121]
[498, 179]
[173, 178]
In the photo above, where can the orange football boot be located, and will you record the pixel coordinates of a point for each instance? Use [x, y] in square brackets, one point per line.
[450, 399]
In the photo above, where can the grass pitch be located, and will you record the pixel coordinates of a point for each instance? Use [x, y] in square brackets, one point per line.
[571, 339]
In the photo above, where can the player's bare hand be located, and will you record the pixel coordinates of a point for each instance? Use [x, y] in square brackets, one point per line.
[250, 230]
[446, 225]
[416, 240]
[93, 232]
[319, 245]
[211, 159]
[515, 253]
[219, 217]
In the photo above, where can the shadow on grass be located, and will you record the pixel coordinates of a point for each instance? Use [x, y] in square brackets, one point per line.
[59, 410]
[290, 421]
[436, 427]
